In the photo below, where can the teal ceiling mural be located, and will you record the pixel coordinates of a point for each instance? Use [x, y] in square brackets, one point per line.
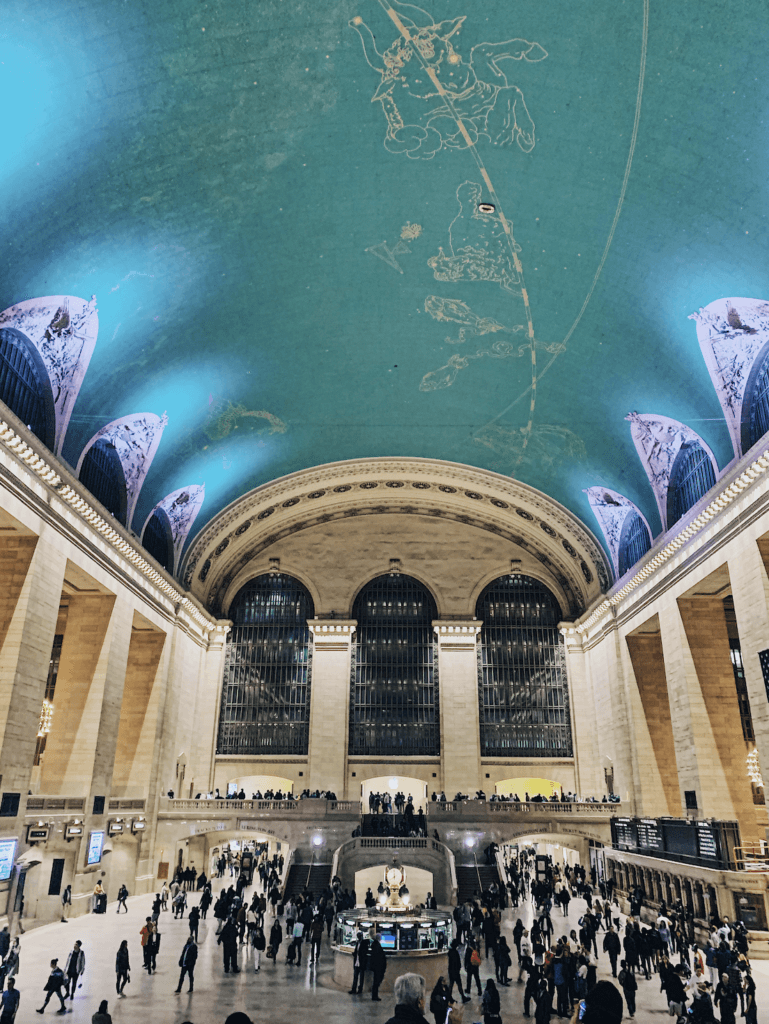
[461, 230]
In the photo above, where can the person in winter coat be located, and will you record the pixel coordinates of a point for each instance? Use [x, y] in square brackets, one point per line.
[524, 948]
[455, 968]
[490, 1004]
[726, 1000]
[205, 902]
[122, 967]
[316, 937]
[102, 1015]
[377, 964]
[276, 938]
[359, 963]
[194, 921]
[228, 940]
[409, 992]
[187, 962]
[503, 961]
[74, 968]
[440, 1001]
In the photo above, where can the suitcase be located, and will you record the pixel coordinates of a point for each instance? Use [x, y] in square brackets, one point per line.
[280, 909]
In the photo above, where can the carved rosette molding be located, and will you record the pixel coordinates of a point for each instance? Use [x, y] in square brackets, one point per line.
[411, 486]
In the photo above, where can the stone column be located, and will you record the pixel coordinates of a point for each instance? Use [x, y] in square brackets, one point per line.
[460, 716]
[201, 739]
[29, 608]
[588, 770]
[329, 703]
[750, 590]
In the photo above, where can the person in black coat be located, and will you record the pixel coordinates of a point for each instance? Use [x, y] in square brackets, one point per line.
[377, 964]
[194, 921]
[455, 968]
[187, 963]
[440, 1001]
[409, 992]
[359, 964]
[228, 940]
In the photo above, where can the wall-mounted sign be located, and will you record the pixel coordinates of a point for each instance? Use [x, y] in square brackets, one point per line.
[7, 858]
[115, 828]
[73, 831]
[95, 847]
[37, 833]
[138, 825]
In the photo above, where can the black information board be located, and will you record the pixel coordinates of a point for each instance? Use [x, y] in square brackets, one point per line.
[650, 835]
[707, 843]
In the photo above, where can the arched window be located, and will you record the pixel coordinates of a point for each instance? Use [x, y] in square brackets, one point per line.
[755, 404]
[634, 542]
[24, 385]
[102, 473]
[394, 709]
[524, 696]
[266, 690]
[691, 477]
[158, 539]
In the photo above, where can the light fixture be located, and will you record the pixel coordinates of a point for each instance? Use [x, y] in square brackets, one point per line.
[754, 769]
[393, 783]
[317, 840]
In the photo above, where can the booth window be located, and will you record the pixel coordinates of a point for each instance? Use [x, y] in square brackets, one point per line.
[523, 691]
[266, 691]
[394, 708]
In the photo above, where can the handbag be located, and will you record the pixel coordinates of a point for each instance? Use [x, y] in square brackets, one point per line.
[270, 954]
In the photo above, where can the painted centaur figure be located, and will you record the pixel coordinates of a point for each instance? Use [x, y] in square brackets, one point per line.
[427, 89]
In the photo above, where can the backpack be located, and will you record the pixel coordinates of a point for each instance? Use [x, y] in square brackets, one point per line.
[622, 978]
[475, 958]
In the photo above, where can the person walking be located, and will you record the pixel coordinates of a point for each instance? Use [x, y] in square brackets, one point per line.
[490, 1004]
[276, 938]
[629, 988]
[193, 919]
[74, 968]
[258, 942]
[9, 1003]
[122, 896]
[440, 1001]
[228, 940]
[359, 962]
[122, 968]
[55, 983]
[455, 968]
[66, 903]
[187, 963]
[473, 963]
[377, 963]
[612, 946]
[11, 962]
[102, 1015]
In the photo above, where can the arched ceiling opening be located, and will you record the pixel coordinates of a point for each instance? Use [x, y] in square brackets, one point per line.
[465, 231]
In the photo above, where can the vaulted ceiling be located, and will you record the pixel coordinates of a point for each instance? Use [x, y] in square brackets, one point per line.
[316, 232]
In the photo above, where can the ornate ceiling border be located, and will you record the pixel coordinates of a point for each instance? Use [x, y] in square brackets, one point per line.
[340, 490]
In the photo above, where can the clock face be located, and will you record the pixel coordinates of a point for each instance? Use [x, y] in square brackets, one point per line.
[394, 876]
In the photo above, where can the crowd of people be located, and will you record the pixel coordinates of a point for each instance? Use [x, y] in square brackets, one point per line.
[538, 798]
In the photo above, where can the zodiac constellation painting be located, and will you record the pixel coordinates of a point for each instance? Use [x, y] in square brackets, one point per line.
[478, 248]
[455, 311]
[546, 446]
[431, 97]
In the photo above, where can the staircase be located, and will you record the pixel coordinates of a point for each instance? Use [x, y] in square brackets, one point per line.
[319, 879]
[370, 822]
[468, 880]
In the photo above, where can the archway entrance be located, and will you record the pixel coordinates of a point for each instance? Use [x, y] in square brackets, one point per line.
[526, 787]
[393, 784]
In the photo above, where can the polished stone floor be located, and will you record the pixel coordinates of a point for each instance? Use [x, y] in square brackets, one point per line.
[279, 994]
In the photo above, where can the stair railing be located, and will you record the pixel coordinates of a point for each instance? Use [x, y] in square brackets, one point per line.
[309, 870]
[478, 873]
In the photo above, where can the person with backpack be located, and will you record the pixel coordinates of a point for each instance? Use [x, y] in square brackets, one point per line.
[629, 988]
[55, 983]
[122, 896]
[473, 963]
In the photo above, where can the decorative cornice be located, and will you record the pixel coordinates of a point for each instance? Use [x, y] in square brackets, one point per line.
[476, 497]
[52, 477]
[732, 487]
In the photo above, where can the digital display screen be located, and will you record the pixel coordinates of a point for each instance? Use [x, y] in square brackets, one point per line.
[7, 858]
[649, 835]
[681, 839]
[624, 834]
[387, 938]
[707, 842]
[95, 846]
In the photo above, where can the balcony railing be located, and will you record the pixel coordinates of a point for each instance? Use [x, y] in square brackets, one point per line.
[484, 808]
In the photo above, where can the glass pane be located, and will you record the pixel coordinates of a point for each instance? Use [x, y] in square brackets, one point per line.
[523, 694]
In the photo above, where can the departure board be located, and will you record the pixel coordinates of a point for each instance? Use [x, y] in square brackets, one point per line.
[707, 841]
[650, 835]
[624, 834]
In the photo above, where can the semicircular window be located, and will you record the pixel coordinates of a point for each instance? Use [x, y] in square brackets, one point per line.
[102, 473]
[24, 385]
[691, 478]
[265, 705]
[755, 406]
[158, 540]
[523, 690]
[634, 542]
[394, 708]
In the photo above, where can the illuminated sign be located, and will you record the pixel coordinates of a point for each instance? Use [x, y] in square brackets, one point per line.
[37, 833]
[74, 830]
[95, 846]
[7, 857]
[115, 828]
[138, 825]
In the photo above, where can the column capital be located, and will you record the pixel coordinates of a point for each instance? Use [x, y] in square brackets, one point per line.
[329, 634]
[457, 633]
